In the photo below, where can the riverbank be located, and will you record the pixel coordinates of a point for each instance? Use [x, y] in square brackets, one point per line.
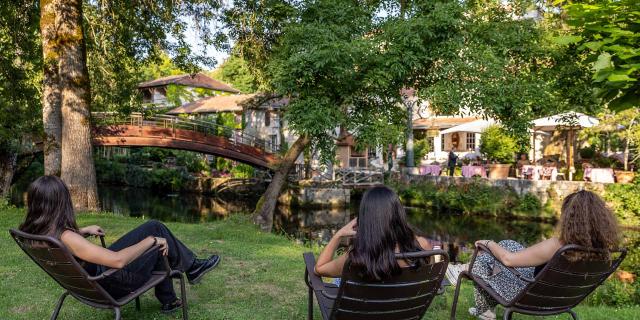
[260, 277]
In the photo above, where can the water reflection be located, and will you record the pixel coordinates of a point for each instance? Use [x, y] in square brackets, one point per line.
[183, 207]
[456, 234]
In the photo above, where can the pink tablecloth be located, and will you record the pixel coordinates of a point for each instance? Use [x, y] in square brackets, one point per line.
[470, 171]
[604, 175]
[432, 169]
[537, 172]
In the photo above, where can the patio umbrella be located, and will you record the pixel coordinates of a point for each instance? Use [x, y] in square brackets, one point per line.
[476, 126]
[569, 121]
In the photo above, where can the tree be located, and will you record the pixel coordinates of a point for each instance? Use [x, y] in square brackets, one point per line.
[505, 66]
[20, 63]
[117, 38]
[235, 71]
[341, 65]
[609, 32]
[623, 126]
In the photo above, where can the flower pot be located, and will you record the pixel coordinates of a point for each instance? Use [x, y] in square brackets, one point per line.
[499, 171]
[624, 176]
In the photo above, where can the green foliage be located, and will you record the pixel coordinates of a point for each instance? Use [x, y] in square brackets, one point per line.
[474, 198]
[242, 170]
[20, 75]
[164, 179]
[616, 293]
[420, 149]
[609, 32]
[625, 202]
[506, 68]
[236, 72]
[341, 63]
[124, 37]
[497, 145]
[588, 152]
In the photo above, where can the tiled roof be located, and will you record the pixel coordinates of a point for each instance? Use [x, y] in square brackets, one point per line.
[231, 103]
[196, 80]
[441, 122]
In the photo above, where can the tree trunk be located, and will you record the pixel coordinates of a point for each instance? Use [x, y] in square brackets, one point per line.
[78, 169]
[51, 99]
[8, 160]
[263, 214]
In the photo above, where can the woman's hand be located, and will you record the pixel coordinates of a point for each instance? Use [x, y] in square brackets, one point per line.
[349, 230]
[162, 242]
[482, 242]
[92, 231]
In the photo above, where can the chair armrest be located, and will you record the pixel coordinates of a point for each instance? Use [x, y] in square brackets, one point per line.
[313, 280]
[114, 270]
[482, 247]
[104, 245]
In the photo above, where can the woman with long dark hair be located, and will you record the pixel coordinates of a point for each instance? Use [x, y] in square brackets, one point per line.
[379, 232]
[585, 220]
[50, 212]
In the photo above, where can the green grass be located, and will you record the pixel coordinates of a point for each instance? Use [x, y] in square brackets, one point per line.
[260, 277]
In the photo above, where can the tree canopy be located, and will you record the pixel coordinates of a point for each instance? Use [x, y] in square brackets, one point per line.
[608, 31]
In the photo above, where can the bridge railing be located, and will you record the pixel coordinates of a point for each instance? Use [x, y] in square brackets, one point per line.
[236, 136]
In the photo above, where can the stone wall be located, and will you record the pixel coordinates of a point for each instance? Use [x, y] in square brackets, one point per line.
[317, 197]
[545, 190]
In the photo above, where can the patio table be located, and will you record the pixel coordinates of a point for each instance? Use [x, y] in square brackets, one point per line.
[470, 171]
[603, 175]
[432, 169]
[537, 172]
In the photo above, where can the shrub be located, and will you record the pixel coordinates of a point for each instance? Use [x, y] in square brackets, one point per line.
[471, 198]
[420, 149]
[242, 171]
[497, 145]
[625, 202]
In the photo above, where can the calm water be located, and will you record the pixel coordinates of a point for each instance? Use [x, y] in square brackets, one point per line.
[455, 232]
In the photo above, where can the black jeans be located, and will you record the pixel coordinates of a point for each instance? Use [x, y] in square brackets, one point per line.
[139, 271]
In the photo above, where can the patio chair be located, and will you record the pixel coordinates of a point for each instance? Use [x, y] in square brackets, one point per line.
[405, 296]
[559, 287]
[57, 261]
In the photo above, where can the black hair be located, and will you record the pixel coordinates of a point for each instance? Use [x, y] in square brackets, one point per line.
[382, 227]
[49, 208]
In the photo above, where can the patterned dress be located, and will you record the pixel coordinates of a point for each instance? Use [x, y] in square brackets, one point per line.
[505, 283]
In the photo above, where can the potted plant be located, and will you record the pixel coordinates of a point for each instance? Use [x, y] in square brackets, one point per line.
[498, 147]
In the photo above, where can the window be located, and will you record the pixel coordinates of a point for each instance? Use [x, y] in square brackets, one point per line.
[274, 141]
[471, 141]
[431, 142]
[267, 118]
[442, 143]
[372, 154]
[357, 159]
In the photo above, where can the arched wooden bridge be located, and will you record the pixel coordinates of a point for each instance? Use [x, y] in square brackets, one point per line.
[173, 132]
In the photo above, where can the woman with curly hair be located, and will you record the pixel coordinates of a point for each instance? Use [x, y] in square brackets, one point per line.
[585, 220]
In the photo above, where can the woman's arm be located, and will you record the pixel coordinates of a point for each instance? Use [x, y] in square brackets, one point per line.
[533, 256]
[87, 251]
[326, 266]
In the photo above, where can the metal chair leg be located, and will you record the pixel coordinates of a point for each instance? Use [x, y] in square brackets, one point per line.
[573, 314]
[183, 296]
[118, 316]
[310, 304]
[54, 316]
[137, 303]
[507, 314]
[454, 304]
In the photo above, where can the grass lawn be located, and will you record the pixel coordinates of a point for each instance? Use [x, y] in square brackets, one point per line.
[260, 277]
